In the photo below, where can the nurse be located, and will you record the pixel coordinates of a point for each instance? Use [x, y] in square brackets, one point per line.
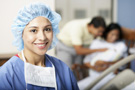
[35, 29]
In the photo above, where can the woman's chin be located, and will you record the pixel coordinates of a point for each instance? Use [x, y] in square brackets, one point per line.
[41, 53]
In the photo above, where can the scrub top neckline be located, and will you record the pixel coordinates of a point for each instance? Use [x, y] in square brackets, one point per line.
[47, 62]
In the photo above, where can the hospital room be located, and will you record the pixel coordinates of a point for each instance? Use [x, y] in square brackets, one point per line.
[67, 45]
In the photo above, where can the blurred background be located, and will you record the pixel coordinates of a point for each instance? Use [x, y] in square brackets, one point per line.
[74, 9]
[120, 11]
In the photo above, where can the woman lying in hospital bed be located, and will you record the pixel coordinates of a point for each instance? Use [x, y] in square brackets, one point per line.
[99, 61]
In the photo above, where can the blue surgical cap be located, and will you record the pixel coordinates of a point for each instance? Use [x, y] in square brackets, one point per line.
[28, 13]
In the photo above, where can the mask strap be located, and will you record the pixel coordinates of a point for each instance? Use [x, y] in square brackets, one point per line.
[23, 56]
[24, 66]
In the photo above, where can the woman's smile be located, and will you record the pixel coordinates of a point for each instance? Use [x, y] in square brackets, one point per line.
[41, 45]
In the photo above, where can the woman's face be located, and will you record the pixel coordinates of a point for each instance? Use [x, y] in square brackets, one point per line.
[113, 36]
[38, 35]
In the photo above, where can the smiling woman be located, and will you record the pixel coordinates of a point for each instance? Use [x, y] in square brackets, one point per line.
[38, 33]
[37, 37]
[35, 29]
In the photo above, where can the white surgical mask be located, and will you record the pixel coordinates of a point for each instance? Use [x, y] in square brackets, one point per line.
[40, 76]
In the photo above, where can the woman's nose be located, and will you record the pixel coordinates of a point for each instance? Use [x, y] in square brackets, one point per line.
[42, 36]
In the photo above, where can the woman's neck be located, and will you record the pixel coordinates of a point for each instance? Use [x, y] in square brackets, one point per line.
[33, 58]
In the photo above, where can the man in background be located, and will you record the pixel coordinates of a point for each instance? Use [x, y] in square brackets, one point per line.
[75, 38]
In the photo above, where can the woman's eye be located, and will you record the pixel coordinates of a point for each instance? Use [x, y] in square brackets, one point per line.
[34, 30]
[48, 29]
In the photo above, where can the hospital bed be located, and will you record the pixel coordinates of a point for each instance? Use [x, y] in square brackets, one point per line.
[121, 80]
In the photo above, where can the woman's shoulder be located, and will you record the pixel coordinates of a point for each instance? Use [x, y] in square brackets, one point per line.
[6, 70]
[9, 62]
[9, 66]
[121, 43]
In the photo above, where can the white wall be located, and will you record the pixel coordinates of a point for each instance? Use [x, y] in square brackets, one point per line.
[8, 11]
[101, 5]
[92, 8]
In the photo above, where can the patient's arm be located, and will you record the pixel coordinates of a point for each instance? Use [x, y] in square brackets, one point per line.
[107, 64]
[98, 68]
[101, 63]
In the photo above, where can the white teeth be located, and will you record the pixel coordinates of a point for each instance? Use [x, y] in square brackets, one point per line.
[41, 45]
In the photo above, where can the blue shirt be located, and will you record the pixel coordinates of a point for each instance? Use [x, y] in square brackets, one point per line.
[12, 75]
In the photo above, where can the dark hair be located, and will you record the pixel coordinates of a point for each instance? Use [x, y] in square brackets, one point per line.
[98, 22]
[111, 27]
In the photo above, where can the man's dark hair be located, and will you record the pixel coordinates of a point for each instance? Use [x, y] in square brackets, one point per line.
[98, 22]
[111, 27]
